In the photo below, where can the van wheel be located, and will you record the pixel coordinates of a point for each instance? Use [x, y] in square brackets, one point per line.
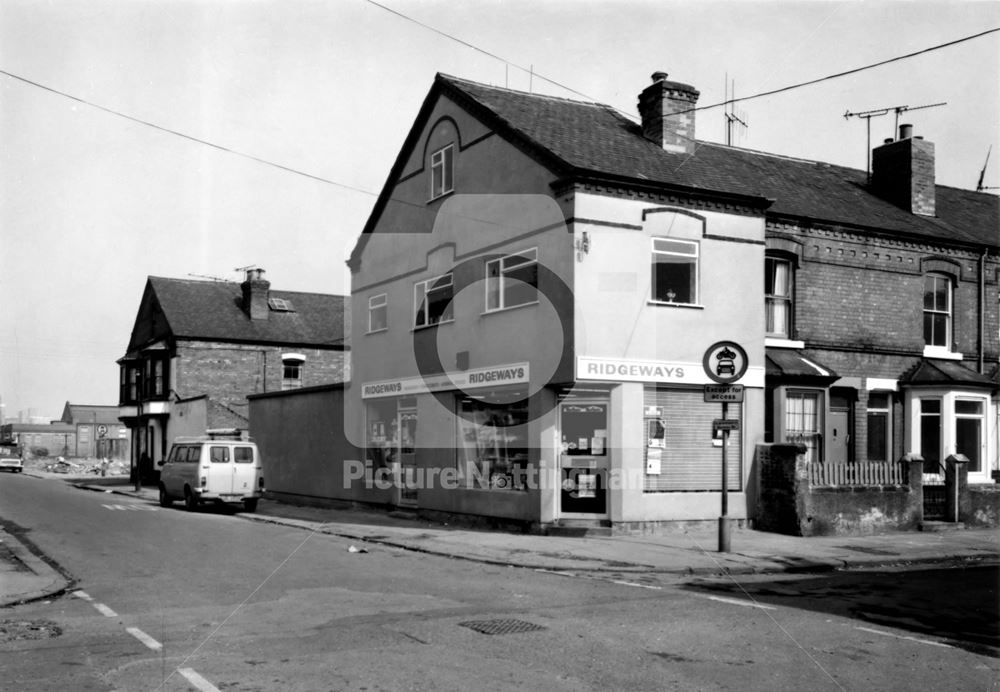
[190, 501]
[250, 505]
[165, 500]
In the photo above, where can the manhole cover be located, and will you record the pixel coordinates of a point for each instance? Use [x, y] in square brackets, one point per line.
[14, 630]
[501, 626]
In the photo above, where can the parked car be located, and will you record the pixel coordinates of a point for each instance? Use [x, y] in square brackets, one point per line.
[10, 458]
[219, 467]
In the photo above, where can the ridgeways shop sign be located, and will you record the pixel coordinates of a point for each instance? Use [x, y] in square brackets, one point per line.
[514, 373]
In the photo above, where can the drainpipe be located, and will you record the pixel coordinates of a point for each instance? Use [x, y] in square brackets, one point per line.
[982, 311]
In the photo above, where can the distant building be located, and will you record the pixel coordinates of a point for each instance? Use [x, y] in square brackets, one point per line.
[99, 433]
[199, 348]
[41, 439]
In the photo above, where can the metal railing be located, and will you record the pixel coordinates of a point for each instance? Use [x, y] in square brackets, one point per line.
[858, 473]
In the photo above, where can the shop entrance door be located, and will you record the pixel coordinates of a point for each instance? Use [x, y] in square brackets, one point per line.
[406, 426]
[584, 460]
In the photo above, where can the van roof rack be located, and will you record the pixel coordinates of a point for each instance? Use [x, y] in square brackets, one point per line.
[234, 434]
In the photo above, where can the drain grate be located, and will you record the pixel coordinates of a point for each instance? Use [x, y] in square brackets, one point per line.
[501, 626]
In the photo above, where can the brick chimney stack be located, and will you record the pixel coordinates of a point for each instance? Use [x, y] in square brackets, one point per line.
[255, 293]
[903, 172]
[667, 116]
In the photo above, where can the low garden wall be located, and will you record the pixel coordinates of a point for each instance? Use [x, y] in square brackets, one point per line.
[800, 498]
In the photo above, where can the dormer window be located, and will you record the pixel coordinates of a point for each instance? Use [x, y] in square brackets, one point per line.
[442, 171]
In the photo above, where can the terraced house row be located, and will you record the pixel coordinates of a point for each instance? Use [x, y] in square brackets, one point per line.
[545, 287]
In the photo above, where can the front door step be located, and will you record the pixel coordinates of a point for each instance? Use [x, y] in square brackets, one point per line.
[579, 528]
[936, 526]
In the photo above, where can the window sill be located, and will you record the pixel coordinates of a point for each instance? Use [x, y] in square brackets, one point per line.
[508, 309]
[431, 326]
[941, 353]
[778, 342]
[662, 304]
[377, 331]
[441, 196]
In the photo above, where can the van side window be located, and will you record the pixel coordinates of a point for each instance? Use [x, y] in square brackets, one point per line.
[193, 454]
[243, 455]
[175, 454]
[219, 455]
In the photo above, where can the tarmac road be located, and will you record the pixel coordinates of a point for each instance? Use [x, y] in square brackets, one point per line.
[165, 599]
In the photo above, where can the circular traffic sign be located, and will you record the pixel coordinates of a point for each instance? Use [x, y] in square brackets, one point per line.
[725, 362]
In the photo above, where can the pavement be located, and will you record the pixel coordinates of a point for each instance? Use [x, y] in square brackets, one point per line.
[694, 551]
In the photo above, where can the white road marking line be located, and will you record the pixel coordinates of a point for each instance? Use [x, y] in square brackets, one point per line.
[632, 583]
[739, 602]
[909, 639]
[105, 611]
[131, 507]
[101, 608]
[556, 572]
[198, 681]
[144, 638]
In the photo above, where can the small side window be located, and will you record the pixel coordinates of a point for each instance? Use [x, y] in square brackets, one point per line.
[243, 455]
[219, 455]
[194, 454]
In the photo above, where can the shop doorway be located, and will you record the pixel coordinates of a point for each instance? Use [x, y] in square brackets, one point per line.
[406, 425]
[583, 460]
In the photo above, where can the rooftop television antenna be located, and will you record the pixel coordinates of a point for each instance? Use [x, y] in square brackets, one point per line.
[213, 278]
[730, 112]
[876, 112]
[982, 174]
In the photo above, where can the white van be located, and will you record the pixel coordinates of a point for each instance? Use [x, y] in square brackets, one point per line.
[217, 467]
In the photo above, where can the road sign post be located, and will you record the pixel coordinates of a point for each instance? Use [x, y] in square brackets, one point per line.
[725, 362]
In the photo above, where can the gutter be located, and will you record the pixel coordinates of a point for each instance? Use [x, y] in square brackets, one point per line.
[758, 202]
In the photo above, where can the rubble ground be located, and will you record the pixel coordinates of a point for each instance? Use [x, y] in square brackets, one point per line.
[78, 466]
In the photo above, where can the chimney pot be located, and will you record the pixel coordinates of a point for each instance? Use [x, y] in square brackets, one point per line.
[905, 131]
[659, 77]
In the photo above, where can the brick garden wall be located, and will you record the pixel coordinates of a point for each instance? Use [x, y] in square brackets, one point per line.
[789, 505]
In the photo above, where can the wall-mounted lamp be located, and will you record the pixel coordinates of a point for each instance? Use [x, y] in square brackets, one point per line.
[582, 246]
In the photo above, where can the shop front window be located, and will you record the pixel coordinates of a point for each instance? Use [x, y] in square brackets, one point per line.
[492, 443]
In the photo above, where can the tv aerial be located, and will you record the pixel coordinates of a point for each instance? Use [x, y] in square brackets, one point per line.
[982, 174]
[729, 114]
[877, 112]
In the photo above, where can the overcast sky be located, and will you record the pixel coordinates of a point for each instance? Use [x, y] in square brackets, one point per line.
[92, 203]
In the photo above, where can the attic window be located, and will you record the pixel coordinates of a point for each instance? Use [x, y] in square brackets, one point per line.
[280, 305]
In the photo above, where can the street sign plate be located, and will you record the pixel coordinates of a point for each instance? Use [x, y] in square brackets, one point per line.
[726, 393]
[729, 424]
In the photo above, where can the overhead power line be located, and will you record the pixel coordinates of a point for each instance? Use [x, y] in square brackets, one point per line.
[176, 133]
[846, 72]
